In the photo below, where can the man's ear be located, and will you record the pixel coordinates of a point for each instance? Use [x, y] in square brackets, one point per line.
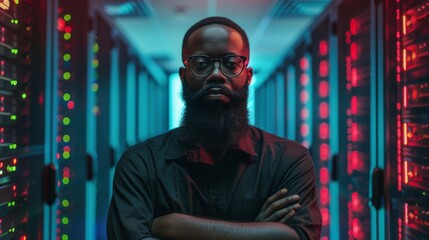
[182, 74]
[249, 75]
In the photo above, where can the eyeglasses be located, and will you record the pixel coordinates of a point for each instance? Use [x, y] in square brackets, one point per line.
[230, 65]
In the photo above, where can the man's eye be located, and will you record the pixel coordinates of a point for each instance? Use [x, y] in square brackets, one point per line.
[201, 63]
[231, 63]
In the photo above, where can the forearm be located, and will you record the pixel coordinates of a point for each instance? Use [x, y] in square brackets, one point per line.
[179, 226]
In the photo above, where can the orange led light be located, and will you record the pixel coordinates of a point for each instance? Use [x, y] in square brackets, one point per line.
[405, 135]
[405, 172]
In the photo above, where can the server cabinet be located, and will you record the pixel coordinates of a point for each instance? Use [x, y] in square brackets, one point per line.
[321, 118]
[104, 102]
[407, 80]
[22, 109]
[354, 123]
[71, 123]
[303, 93]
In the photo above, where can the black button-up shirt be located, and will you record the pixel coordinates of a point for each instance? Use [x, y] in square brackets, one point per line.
[166, 175]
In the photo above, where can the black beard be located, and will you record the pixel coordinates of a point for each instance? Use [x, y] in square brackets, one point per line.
[214, 124]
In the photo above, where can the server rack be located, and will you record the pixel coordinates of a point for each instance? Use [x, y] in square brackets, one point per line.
[304, 93]
[354, 123]
[320, 55]
[104, 102]
[22, 109]
[407, 77]
[74, 162]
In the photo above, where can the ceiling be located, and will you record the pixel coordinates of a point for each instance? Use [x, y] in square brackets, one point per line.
[155, 28]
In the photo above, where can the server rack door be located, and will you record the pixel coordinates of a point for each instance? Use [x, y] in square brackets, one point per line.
[320, 150]
[105, 152]
[143, 104]
[354, 123]
[130, 106]
[72, 103]
[123, 63]
[22, 108]
[303, 93]
[407, 78]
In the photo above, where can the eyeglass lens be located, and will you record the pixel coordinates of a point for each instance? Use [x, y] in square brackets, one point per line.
[229, 65]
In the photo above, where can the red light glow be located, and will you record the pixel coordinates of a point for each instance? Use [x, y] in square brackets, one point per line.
[323, 68]
[323, 110]
[354, 77]
[323, 48]
[304, 114]
[67, 29]
[353, 26]
[304, 79]
[324, 131]
[324, 151]
[70, 105]
[303, 63]
[324, 196]
[324, 175]
[14, 161]
[61, 24]
[323, 89]
[304, 129]
[304, 96]
[406, 213]
[325, 216]
[354, 51]
[354, 105]
[354, 132]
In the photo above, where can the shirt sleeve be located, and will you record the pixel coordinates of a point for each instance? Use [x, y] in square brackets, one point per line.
[131, 206]
[298, 176]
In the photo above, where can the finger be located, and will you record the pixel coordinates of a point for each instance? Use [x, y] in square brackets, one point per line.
[282, 213]
[291, 213]
[276, 196]
[280, 204]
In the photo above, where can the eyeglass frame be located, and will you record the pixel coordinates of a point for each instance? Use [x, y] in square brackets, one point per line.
[213, 60]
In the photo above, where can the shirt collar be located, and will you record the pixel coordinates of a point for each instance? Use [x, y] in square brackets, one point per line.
[182, 149]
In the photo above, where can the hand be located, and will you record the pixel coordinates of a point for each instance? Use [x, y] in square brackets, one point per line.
[279, 208]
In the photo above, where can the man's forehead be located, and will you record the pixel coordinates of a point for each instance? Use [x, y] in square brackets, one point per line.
[217, 31]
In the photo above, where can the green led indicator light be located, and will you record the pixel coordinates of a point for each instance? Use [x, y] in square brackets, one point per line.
[67, 17]
[14, 51]
[66, 96]
[94, 87]
[11, 204]
[24, 96]
[66, 138]
[12, 230]
[13, 117]
[14, 21]
[65, 220]
[16, 2]
[11, 168]
[67, 36]
[64, 237]
[66, 155]
[95, 48]
[65, 203]
[66, 75]
[66, 180]
[95, 63]
[67, 57]
[13, 82]
[12, 146]
[66, 121]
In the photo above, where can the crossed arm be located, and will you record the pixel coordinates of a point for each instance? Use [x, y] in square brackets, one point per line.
[269, 224]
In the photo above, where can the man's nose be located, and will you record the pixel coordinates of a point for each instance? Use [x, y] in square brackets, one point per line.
[216, 75]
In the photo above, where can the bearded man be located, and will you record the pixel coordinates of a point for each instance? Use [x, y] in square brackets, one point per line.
[215, 177]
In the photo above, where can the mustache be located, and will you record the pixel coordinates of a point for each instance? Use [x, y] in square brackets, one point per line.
[199, 94]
